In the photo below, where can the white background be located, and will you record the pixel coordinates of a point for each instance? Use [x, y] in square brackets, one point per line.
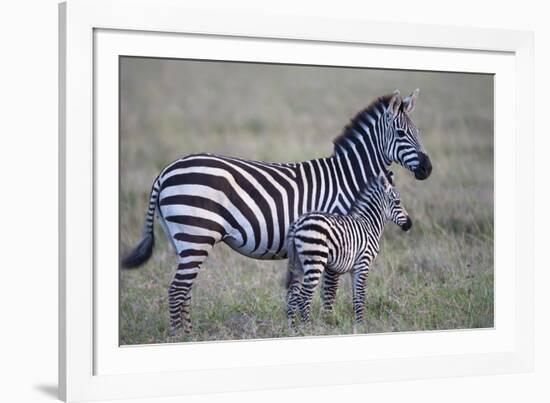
[28, 168]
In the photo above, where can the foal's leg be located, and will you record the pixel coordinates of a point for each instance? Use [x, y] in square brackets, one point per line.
[328, 290]
[360, 274]
[313, 270]
[293, 297]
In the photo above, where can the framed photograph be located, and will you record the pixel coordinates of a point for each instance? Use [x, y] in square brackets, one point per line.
[226, 181]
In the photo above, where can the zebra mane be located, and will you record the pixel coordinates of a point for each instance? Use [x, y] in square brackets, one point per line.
[380, 104]
[365, 195]
[372, 187]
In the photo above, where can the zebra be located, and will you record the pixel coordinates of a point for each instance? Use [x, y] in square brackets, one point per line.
[334, 244]
[203, 199]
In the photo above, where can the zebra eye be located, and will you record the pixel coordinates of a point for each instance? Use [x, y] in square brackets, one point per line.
[401, 132]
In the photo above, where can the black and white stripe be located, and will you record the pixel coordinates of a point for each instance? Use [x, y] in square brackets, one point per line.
[203, 199]
[332, 244]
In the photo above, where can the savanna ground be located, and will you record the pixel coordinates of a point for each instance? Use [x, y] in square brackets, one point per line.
[437, 276]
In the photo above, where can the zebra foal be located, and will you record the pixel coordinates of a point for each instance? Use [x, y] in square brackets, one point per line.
[334, 244]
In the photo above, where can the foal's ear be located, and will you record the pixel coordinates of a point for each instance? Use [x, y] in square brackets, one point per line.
[383, 181]
[395, 103]
[391, 178]
[410, 101]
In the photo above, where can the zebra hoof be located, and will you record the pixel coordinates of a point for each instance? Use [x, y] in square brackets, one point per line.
[174, 330]
[186, 331]
[359, 328]
[330, 318]
[290, 325]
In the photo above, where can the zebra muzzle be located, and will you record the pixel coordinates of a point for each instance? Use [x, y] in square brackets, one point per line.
[424, 169]
[408, 224]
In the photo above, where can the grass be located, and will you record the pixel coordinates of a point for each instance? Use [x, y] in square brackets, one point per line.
[437, 276]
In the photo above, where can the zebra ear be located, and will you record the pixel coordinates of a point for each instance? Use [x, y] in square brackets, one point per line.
[383, 180]
[410, 101]
[391, 178]
[395, 103]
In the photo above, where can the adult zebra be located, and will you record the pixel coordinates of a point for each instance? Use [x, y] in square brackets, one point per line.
[203, 199]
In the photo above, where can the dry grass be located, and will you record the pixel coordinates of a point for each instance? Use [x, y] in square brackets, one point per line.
[437, 276]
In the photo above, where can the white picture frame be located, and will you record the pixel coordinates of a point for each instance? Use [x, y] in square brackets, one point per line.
[93, 34]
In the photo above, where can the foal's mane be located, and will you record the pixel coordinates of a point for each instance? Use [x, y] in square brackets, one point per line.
[383, 101]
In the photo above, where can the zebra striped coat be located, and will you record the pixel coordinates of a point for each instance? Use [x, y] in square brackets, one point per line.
[203, 199]
[320, 243]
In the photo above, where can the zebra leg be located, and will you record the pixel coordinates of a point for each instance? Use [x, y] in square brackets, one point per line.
[179, 292]
[329, 288]
[312, 276]
[360, 274]
[293, 298]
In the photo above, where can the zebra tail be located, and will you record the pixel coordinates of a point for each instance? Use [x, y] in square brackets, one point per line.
[289, 278]
[144, 249]
[294, 264]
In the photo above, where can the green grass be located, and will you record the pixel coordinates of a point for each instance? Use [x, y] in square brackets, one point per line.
[437, 276]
